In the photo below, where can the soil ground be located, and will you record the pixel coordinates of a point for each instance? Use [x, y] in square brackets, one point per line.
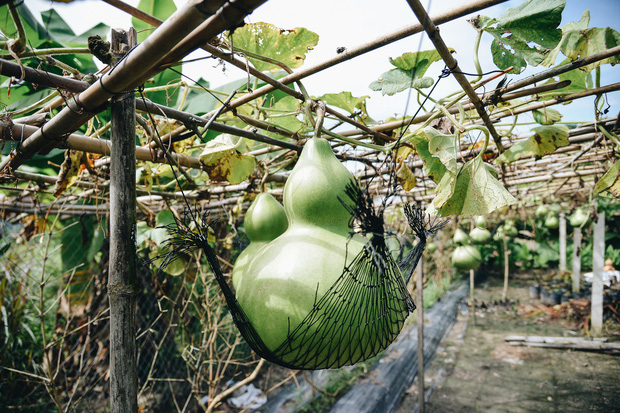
[476, 370]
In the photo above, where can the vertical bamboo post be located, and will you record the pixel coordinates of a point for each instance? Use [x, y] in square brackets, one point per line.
[122, 281]
[506, 268]
[562, 242]
[420, 298]
[472, 300]
[472, 275]
[598, 261]
[576, 259]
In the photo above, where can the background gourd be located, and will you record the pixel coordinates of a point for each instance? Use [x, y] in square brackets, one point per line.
[264, 221]
[298, 267]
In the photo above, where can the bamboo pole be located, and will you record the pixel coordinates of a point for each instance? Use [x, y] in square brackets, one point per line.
[123, 282]
[420, 349]
[506, 268]
[446, 55]
[576, 259]
[562, 218]
[128, 74]
[455, 13]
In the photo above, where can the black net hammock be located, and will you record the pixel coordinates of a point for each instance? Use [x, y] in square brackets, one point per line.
[359, 315]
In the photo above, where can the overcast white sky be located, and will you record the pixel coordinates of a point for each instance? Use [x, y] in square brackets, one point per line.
[350, 23]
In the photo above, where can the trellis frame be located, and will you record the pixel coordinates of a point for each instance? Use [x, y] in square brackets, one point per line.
[198, 22]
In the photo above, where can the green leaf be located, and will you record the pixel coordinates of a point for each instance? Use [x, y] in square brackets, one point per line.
[409, 73]
[545, 141]
[579, 82]
[284, 113]
[162, 9]
[610, 182]
[398, 80]
[420, 61]
[80, 243]
[100, 29]
[346, 101]
[444, 148]
[433, 168]
[473, 191]
[223, 162]
[56, 27]
[547, 116]
[526, 33]
[286, 46]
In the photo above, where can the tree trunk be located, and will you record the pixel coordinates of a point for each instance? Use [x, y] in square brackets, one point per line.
[122, 283]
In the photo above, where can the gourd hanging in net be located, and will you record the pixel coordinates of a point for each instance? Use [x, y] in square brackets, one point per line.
[356, 318]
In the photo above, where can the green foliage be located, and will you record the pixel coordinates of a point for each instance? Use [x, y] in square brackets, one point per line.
[81, 241]
[524, 34]
[162, 9]
[547, 116]
[579, 81]
[472, 191]
[348, 102]
[285, 46]
[433, 167]
[409, 73]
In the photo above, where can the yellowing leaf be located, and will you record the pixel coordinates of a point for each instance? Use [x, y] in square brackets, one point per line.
[545, 141]
[403, 152]
[223, 162]
[69, 171]
[406, 178]
[286, 46]
[610, 182]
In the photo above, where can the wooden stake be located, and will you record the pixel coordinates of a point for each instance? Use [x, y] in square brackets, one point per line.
[420, 296]
[122, 282]
[598, 261]
[576, 259]
[562, 242]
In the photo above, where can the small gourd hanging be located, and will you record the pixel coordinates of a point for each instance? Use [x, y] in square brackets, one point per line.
[264, 221]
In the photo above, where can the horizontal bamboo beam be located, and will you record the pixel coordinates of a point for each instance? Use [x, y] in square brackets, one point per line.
[139, 65]
[455, 13]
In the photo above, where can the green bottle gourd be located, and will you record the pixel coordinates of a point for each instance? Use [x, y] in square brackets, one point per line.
[285, 278]
[264, 221]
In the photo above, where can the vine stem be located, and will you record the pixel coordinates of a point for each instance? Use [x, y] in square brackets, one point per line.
[47, 364]
[217, 399]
